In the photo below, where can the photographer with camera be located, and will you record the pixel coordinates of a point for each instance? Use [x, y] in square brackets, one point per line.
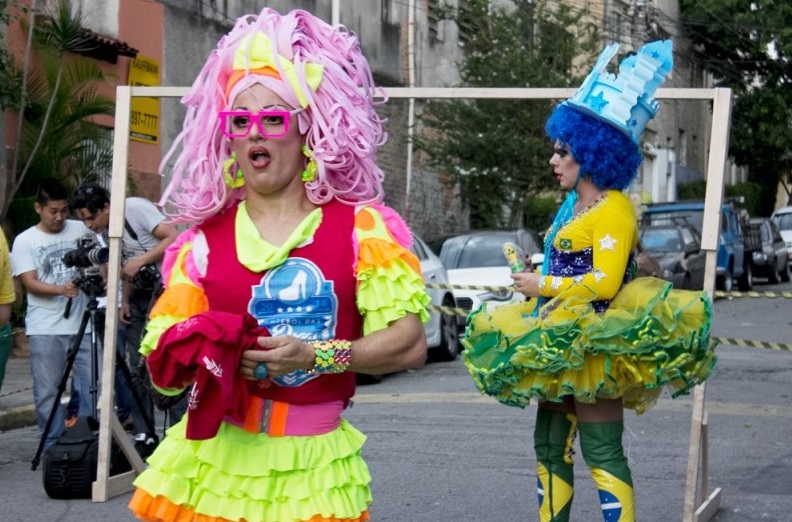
[37, 259]
[143, 244]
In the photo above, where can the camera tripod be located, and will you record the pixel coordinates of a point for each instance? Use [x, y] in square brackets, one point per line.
[92, 315]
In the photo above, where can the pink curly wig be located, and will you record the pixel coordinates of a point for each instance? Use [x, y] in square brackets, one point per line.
[339, 124]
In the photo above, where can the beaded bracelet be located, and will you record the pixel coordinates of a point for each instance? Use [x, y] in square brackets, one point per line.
[332, 356]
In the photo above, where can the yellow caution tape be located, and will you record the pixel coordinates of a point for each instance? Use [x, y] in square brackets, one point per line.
[718, 293]
[771, 295]
[752, 344]
[448, 310]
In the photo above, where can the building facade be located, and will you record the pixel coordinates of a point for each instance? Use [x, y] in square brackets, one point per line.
[407, 44]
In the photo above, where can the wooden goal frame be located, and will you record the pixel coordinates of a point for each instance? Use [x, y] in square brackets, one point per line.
[696, 509]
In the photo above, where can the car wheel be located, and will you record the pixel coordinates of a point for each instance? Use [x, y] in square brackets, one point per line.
[785, 273]
[745, 283]
[725, 282]
[449, 336]
[686, 283]
[774, 279]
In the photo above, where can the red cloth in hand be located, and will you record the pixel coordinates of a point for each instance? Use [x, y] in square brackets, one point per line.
[206, 350]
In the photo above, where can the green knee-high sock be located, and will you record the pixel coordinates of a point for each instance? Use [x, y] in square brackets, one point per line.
[554, 435]
[601, 445]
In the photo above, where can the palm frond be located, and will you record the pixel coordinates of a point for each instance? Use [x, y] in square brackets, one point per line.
[63, 31]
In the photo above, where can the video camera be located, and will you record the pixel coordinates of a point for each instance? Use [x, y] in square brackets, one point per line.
[87, 258]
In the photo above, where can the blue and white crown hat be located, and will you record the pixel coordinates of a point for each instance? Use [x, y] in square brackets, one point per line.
[625, 100]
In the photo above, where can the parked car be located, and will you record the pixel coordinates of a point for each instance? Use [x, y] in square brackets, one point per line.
[476, 259]
[783, 220]
[442, 335]
[732, 264]
[442, 331]
[771, 258]
[677, 249]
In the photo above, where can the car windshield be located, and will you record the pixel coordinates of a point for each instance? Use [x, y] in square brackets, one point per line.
[660, 240]
[692, 217]
[475, 251]
[783, 221]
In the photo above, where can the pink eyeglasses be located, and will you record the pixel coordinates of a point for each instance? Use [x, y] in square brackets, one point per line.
[270, 124]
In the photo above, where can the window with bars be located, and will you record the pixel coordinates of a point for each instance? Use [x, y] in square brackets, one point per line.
[465, 21]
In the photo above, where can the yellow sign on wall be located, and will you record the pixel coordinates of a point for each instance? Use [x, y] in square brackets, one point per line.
[144, 112]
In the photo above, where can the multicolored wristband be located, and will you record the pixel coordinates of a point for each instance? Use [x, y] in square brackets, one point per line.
[332, 356]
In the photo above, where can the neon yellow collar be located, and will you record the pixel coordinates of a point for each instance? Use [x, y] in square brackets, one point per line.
[256, 254]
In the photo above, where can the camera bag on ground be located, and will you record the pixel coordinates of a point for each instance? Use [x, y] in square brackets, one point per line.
[70, 463]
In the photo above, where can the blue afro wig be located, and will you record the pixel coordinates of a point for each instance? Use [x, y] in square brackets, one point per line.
[605, 154]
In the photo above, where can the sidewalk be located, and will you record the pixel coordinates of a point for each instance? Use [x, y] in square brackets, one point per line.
[16, 396]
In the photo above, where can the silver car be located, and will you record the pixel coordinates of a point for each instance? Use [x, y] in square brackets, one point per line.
[442, 336]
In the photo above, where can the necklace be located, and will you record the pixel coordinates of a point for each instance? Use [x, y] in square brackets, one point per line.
[582, 206]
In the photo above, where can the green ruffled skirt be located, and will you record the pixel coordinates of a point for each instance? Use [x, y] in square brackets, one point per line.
[651, 336]
[240, 475]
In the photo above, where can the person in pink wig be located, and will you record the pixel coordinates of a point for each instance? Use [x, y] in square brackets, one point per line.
[293, 278]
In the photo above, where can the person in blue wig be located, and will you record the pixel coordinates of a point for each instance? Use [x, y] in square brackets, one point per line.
[596, 339]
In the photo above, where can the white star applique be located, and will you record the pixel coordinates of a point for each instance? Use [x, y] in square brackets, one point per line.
[599, 275]
[556, 283]
[607, 243]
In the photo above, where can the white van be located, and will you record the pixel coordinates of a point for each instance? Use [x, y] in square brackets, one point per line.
[783, 220]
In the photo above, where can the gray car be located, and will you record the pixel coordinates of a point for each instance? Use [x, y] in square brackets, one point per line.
[677, 248]
[771, 257]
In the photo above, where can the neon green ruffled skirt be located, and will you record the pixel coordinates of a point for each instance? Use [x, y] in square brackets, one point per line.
[240, 475]
[651, 336]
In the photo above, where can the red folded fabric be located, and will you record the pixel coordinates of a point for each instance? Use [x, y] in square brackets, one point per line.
[205, 350]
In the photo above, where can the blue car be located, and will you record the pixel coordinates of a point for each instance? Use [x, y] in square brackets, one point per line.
[732, 264]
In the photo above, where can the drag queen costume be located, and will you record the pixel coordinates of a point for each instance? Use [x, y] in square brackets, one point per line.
[596, 332]
[648, 336]
[276, 449]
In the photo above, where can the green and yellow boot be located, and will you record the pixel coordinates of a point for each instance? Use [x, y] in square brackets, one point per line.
[601, 445]
[554, 436]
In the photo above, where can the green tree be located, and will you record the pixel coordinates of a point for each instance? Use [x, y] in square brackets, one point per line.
[496, 150]
[10, 83]
[747, 45]
[59, 137]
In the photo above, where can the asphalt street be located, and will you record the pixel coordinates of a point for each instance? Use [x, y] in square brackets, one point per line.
[439, 451]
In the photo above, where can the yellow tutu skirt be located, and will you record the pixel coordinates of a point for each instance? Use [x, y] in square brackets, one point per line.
[651, 336]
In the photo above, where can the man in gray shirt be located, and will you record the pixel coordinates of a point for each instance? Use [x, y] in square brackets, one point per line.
[145, 238]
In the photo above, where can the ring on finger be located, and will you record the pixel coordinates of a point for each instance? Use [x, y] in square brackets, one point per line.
[260, 372]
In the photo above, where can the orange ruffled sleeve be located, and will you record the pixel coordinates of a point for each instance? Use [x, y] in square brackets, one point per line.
[183, 296]
[390, 284]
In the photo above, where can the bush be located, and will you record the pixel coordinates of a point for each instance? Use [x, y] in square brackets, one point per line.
[539, 212]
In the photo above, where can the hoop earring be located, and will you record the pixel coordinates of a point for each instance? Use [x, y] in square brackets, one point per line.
[237, 179]
[311, 168]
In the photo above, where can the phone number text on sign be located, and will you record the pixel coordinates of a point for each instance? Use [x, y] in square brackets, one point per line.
[142, 119]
